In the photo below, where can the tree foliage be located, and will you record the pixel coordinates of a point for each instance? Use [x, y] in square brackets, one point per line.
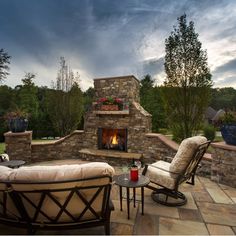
[223, 98]
[65, 109]
[188, 80]
[150, 99]
[4, 61]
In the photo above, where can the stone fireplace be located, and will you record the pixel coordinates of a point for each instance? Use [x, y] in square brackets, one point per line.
[121, 130]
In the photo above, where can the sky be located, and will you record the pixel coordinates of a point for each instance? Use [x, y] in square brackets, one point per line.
[106, 38]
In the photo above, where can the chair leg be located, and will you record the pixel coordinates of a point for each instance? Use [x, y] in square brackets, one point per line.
[107, 228]
[173, 195]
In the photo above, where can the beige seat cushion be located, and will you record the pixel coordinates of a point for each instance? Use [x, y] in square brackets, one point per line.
[34, 174]
[185, 152]
[61, 172]
[161, 174]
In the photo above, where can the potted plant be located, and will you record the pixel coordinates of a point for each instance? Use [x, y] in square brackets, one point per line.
[17, 120]
[228, 128]
[109, 104]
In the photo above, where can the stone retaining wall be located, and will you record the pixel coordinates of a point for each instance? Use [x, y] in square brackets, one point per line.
[153, 147]
[223, 168]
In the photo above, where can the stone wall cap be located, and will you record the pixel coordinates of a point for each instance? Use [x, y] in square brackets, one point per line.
[223, 145]
[118, 77]
[43, 143]
[170, 143]
[69, 135]
[9, 133]
[141, 109]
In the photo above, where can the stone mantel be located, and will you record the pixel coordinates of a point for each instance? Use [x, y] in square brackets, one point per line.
[111, 112]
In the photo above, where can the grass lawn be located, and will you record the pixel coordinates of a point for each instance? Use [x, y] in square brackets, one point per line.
[2, 147]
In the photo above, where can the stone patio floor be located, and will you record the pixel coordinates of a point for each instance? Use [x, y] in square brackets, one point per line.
[210, 210]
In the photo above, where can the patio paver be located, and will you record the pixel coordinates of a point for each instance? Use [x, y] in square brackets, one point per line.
[219, 230]
[203, 214]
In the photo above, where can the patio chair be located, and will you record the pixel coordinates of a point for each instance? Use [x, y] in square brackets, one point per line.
[166, 177]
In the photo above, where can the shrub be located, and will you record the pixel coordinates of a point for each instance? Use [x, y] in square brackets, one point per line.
[209, 132]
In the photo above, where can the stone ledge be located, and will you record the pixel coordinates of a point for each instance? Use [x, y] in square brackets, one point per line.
[111, 112]
[223, 145]
[9, 133]
[107, 153]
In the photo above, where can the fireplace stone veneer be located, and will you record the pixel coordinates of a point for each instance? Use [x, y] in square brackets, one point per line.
[137, 121]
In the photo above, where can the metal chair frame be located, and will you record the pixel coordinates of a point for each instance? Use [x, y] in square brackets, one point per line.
[19, 198]
[187, 175]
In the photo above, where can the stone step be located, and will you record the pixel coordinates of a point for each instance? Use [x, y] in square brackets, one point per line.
[111, 157]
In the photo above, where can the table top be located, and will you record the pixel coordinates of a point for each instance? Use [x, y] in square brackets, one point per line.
[124, 180]
[13, 163]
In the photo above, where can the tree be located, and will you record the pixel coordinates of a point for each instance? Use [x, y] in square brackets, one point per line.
[6, 102]
[188, 80]
[4, 61]
[223, 98]
[27, 100]
[65, 109]
[65, 77]
[151, 101]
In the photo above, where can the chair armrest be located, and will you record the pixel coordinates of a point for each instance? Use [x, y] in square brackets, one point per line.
[147, 165]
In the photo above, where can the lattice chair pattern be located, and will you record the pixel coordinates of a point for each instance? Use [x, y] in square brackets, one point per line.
[166, 177]
[66, 204]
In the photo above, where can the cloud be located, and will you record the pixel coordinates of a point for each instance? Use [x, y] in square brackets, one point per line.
[225, 75]
[102, 38]
[229, 67]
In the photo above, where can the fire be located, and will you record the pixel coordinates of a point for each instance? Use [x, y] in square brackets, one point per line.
[114, 140]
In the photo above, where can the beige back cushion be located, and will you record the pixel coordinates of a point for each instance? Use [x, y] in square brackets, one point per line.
[185, 152]
[34, 174]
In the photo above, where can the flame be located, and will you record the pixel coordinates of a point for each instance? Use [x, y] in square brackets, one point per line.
[114, 140]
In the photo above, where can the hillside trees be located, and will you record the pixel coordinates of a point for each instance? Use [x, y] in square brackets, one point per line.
[223, 98]
[4, 61]
[188, 80]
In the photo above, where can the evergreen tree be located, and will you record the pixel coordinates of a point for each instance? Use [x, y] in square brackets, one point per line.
[188, 80]
[150, 99]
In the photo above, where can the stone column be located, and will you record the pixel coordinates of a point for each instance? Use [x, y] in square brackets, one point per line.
[223, 168]
[18, 145]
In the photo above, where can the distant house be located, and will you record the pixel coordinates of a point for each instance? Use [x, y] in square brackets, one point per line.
[218, 115]
[209, 115]
[212, 116]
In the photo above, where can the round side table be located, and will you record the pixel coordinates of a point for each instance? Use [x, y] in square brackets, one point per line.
[123, 180]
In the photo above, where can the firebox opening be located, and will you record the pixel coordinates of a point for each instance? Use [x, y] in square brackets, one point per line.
[112, 139]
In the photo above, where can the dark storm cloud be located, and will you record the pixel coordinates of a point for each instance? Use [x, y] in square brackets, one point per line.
[227, 67]
[100, 37]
